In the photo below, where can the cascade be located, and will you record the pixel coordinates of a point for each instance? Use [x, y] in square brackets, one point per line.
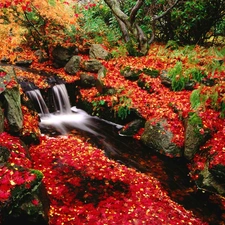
[61, 98]
[65, 118]
[36, 96]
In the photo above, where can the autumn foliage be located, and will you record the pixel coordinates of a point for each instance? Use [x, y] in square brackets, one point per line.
[84, 186]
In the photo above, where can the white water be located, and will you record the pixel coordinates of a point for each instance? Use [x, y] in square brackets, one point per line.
[35, 95]
[66, 117]
[61, 98]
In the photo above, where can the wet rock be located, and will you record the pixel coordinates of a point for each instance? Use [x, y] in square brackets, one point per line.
[156, 136]
[92, 65]
[208, 180]
[73, 66]
[132, 128]
[98, 52]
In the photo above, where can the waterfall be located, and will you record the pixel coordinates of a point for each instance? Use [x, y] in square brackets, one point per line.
[35, 95]
[61, 98]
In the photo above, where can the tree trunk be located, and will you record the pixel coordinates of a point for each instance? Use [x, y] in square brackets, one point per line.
[128, 25]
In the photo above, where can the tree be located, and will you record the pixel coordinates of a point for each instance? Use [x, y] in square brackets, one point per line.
[130, 22]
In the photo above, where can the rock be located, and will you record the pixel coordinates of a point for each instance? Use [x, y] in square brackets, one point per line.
[132, 128]
[42, 57]
[102, 73]
[73, 65]
[130, 74]
[87, 81]
[12, 100]
[157, 137]
[5, 59]
[26, 205]
[92, 65]
[165, 80]
[98, 52]
[25, 63]
[13, 109]
[1, 118]
[193, 139]
[208, 182]
[4, 154]
[6, 75]
[61, 55]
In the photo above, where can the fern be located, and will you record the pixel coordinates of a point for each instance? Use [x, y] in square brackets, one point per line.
[178, 79]
[195, 99]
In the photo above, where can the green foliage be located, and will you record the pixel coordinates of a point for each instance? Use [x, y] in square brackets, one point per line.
[177, 77]
[195, 74]
[196, 121]
[124, 107]
[97, 105]
[195, 99]
[97, 24]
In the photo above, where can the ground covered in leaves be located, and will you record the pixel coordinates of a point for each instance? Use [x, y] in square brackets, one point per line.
[83, 185]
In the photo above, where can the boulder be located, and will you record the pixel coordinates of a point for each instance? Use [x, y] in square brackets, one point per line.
[24, 62]
[73, 65]
[11, 101]
[92, 65]
[87, 81]
[209, 182]
[1, 118]
[98, 52]
[61, 55]
[156, 136]
[193, 139]
[132, 127]
[13, 109]
[41, 55]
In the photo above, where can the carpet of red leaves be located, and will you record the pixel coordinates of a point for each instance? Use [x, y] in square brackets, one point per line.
[79, 177]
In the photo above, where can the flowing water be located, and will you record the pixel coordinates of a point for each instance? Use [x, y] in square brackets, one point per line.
[172, 173]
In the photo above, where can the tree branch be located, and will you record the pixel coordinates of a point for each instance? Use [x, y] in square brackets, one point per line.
[165, 12]
[134, 10]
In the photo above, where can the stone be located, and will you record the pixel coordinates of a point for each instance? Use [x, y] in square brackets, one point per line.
[132, 127]
[25, 62]
[73, 66]
[61, 55]
[2, 117]
[193, 140]
[98, 52]
[157, 137]
[130, 74]
[92, 65]
[87, 81]
[42, 56]
[13, 109]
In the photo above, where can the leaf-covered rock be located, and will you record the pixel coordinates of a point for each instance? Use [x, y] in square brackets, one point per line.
[157, 137]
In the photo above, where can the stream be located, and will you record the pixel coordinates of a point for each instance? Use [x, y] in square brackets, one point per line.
[171, 172]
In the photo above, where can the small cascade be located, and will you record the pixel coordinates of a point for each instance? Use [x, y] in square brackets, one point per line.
[65, 118]
[61, 98]
[36, 96]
